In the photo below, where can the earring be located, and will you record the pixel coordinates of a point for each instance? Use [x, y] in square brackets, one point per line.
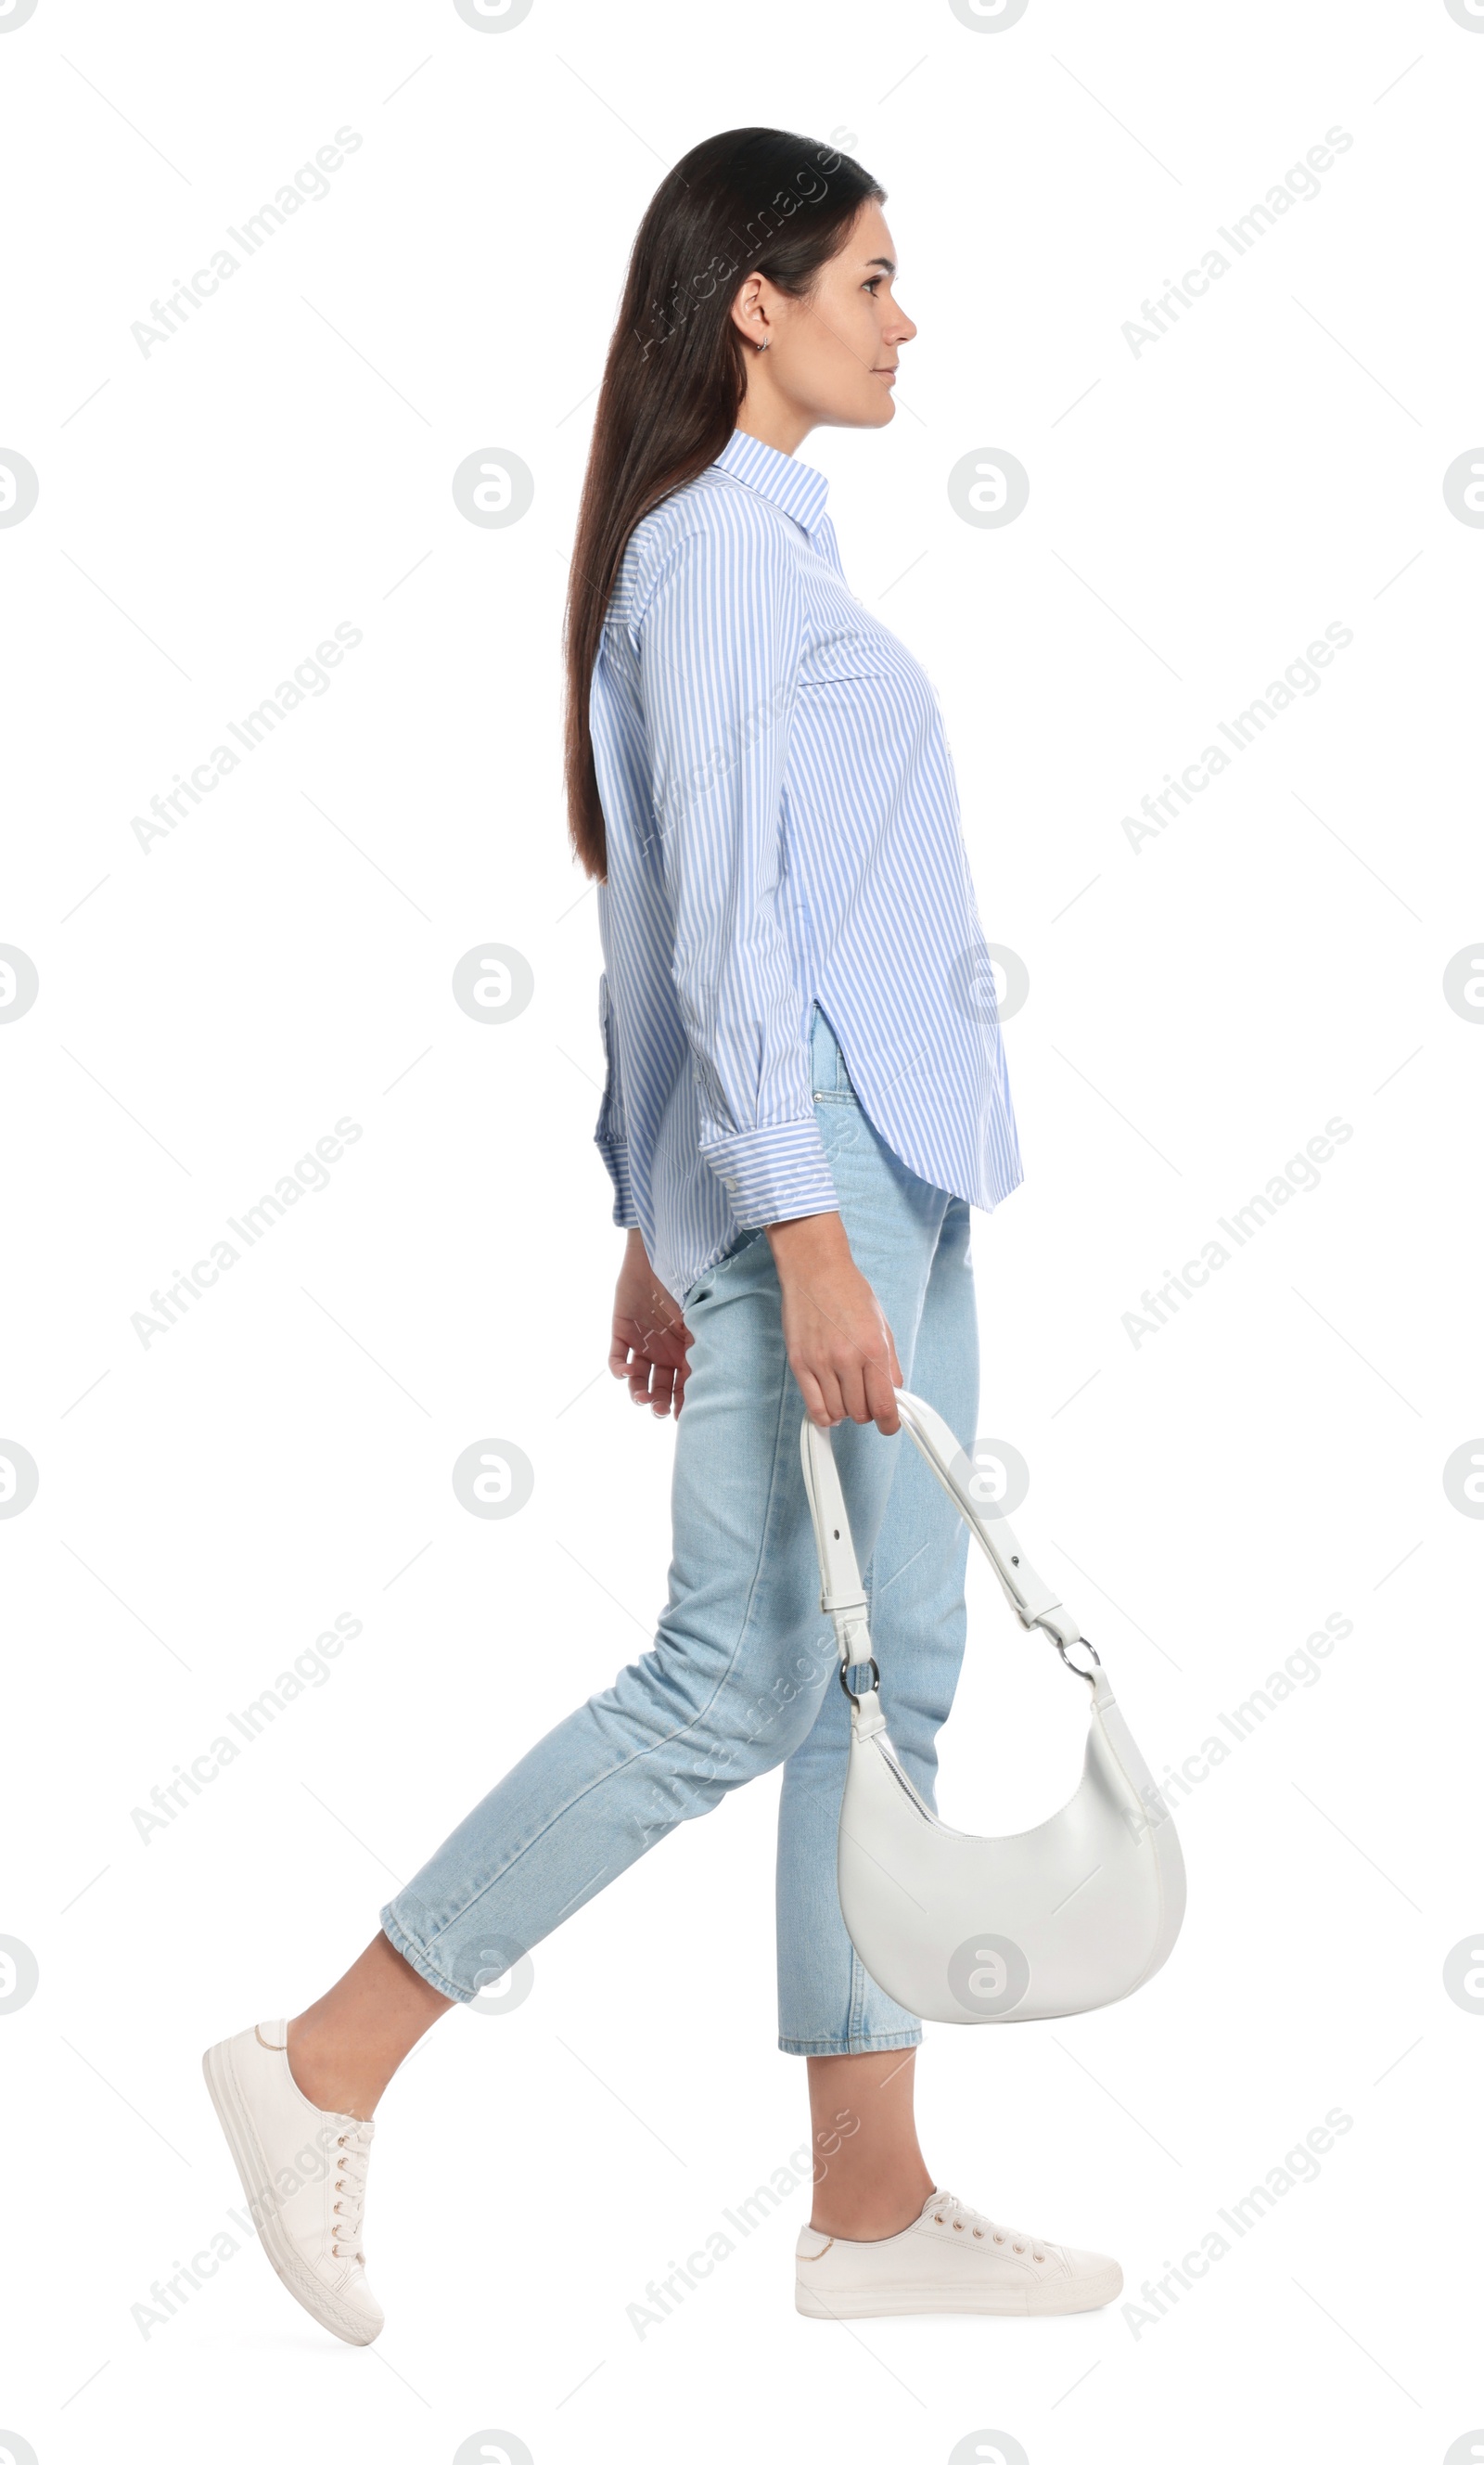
[761, 346]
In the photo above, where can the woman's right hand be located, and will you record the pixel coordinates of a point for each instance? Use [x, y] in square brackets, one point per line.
[650, 1338]
[839, 1344]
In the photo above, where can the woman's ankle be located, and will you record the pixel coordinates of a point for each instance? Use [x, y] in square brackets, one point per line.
[870, 2213]
[320, 2071]
[343, 2049]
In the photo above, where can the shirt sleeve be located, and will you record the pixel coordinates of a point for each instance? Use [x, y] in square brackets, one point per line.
[720, 640]
[612, 1135]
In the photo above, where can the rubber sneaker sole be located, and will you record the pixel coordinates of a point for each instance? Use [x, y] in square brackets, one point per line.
[1011, 2302]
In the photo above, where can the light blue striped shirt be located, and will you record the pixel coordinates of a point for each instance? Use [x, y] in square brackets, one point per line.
[782, 827]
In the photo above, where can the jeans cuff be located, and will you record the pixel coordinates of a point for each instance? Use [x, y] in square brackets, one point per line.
[851, 2045]
[416, 1958]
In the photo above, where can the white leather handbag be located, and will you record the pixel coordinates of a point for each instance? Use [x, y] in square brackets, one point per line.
[1072, 1915]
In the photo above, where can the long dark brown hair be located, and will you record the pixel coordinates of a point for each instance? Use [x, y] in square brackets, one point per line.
[751, 201]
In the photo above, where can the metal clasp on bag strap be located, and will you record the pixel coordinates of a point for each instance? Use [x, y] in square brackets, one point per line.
[1079, 1643]
[851, 1629]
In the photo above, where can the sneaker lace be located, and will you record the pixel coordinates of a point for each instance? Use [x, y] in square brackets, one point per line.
[957, 2212]
[353, 2151]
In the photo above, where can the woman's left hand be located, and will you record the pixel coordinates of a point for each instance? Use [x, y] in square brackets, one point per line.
[650, 1338]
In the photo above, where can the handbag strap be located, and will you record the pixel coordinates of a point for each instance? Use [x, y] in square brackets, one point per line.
[842, 1595]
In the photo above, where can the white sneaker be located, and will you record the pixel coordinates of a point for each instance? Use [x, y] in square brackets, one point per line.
[950, 2258]
[303, 2170]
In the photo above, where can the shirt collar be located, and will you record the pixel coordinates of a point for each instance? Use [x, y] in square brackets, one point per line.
[796, 487]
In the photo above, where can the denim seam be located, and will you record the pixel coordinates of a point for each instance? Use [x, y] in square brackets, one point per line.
[856, 2006]
[859, 2039]
[671, 1735]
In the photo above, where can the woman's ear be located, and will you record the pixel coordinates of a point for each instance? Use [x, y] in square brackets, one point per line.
[749, 313]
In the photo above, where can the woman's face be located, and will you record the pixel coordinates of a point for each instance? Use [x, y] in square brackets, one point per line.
[830, 359]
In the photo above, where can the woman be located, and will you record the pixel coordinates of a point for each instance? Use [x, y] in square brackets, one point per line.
[805, 1094]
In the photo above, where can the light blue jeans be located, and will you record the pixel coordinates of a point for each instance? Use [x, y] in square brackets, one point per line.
[742, 1673]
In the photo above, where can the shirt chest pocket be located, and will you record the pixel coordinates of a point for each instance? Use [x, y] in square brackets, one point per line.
[853, 651]
[866, 678]
[861, 654]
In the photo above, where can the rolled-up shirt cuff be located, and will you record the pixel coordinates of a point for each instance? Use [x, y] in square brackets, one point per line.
[615, 1155]
[772, 1175]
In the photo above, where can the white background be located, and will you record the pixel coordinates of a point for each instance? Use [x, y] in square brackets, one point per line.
[208, 514]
